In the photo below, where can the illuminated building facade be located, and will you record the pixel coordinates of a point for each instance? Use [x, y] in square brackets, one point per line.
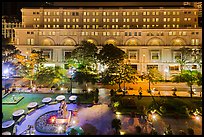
[8, 25]
[150, 36]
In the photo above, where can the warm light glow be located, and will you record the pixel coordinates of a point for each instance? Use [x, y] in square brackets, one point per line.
[118, 113]
[122, 133]
[197, 118]
[154, 116]
[59, 128]
[89, 89]
[74, 122]
[61, 88]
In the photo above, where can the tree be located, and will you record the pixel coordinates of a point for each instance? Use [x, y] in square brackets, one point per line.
[27, 66]
[84, 59]
[110, 55]
[191, 77]
[8, 51]
[197, 54]
[185, 54]
[153, 75]
[119, 73]
[50, 76]
[116, 124]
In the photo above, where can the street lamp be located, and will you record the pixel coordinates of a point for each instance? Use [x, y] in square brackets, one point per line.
[70, 75]
[166, 71]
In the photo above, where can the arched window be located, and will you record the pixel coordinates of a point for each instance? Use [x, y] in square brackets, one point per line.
[92, 41]
[68, 42]
[47, 42]
[132, 42]
[111, 41]
[155, 42]
[178, 42]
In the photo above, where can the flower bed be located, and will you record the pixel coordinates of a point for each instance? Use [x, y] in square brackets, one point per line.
[43, 125]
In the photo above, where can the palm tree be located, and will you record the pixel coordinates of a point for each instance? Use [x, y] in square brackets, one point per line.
[116, 124]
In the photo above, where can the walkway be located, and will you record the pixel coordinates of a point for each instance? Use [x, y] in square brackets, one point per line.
[30, 119]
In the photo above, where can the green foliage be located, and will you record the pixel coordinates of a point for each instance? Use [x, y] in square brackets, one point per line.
[116, 104]
[153, 75]
[50, 76]
[110, 54]
[118, 74]
[185, 54]
[84, 59]
[191, 77]
[8, 51]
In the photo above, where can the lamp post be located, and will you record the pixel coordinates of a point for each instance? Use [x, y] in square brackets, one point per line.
[166, 71]
[70, 75]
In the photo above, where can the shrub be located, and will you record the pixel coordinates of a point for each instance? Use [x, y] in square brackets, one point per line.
[30, 111]
[52, 103]
[21, 119]
[42, 105]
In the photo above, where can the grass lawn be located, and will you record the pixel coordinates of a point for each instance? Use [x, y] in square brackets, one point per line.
[173, 105]
[28, 97]
[33, 97]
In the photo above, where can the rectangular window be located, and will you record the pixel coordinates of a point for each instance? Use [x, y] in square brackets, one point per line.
[192, 41]
[133, 55]
[30, 41]
[67, 54]
[176, 55]
[164, 19]
[174, 68]
[164, 12]
[47, 54]
[155, 55]
[152, 66]
[197, 42]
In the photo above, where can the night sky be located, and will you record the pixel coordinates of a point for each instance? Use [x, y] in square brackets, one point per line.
[13, 8]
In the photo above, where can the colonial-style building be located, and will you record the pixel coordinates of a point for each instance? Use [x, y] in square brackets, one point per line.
[151, 37]
[8, 25]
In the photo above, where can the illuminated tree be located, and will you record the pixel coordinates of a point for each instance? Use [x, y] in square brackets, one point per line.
[49, 76]
[190, 77]
[84, 59]
[27, 66]
[118, 74]
[185, 54]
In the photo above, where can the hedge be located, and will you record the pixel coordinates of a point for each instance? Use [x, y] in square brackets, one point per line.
[21, 119]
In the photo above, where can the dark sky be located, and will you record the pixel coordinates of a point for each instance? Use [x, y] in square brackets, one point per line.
[13, 8]
[117, 3]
